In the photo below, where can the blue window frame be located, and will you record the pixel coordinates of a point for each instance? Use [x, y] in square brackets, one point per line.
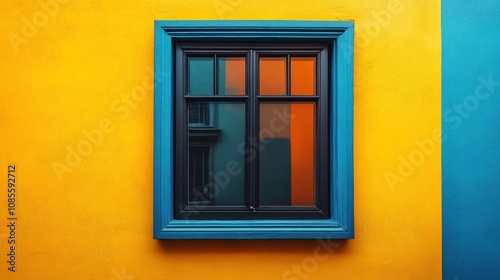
[340, 222]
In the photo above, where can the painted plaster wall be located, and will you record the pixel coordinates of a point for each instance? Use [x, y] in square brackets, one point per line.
[76, 118]
[471, 151]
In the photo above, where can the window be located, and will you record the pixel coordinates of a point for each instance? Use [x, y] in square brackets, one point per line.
[260, 113]
[253, 130]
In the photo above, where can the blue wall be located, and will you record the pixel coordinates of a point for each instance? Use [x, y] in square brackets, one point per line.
[471, 149]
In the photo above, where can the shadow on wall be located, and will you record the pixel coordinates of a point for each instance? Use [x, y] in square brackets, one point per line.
[329, 246]
[313, 253]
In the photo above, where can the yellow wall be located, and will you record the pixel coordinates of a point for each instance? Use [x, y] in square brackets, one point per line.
[85, 66]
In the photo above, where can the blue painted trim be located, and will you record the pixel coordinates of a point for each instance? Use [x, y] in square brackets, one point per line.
[341, 224]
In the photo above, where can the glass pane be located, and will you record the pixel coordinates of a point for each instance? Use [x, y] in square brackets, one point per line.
[198, 114]
[303, 75]
[287, 154]
[232, 74]
[272, 76]
[201, 76]
[216, 175]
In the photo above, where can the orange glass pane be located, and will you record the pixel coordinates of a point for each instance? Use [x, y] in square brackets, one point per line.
[287, 154]
[303, 75]
[303, 149]
[272, 76]
[232, 76]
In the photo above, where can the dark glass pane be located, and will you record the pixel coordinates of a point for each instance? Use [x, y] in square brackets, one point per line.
[287, 168]
[201, 76]
[198, 175]
[303, 75]
[198, 114]
[272, 76]
[232, 76]
[216, 175]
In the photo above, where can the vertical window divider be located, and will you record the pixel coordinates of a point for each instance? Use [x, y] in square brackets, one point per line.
[323, 114]
[180, 199]
[216, 75]
[288, 75]
[252, 130]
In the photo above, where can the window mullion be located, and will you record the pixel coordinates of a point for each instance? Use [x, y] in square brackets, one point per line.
[216, 75]
[288, 75]
[252, 120]
[323, 138]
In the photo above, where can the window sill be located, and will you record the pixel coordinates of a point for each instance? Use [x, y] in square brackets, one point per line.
[253, 229]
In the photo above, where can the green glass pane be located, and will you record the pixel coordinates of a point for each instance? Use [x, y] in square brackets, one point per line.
[201, 76]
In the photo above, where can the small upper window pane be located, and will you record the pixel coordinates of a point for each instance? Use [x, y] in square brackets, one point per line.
[232, 75]
[303, 75]
[272, 76]
[201, 75]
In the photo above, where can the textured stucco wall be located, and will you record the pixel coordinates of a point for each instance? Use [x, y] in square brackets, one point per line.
[76, 117]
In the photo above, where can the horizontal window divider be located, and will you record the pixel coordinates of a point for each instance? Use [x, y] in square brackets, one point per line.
[292, 53]
[250, 215]
[203, 52]
[216, 208]
[287, 208]
[240, 47]
[216, 97]
[299, 223]
[286, 98]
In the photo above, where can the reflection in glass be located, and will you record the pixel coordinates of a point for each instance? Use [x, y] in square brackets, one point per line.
[198, 113]
[272, 75]
[232, 75]
[198, 174]
[216, 175]
[201, 76]
[287, 154]
[303, 75]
